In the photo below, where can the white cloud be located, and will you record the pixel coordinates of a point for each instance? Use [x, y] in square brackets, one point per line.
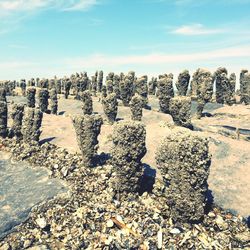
[202, 2]
[196, 29]
[8, 7]
[13, 12]
[81, 5]
[233, 58]
[99, 60]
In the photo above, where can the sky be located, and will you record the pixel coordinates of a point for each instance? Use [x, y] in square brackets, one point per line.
[44, 38]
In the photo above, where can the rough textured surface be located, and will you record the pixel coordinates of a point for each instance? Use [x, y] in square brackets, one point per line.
[116, 86]
[204, 89]
[87, 103]
[32, 122]
[2, 95]
[23, 87]
[100, 81]
[87, 128]
[183, 82]
[136, 105]
[109, 86]
[87, 212]
[67, 86]
[110, 107]
[231, 98]
[180, 110]
[222, 84]
[165, 92]
[141, 88]
[31, 97]
[129, 147]
[126, 89]
[152, 84]
[43, 100]
[184, 162]
[53, 101]
[58, 86]
[245, 87]
[17, 119]
[3, 118]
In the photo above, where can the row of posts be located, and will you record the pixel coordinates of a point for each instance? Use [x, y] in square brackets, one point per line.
[182, 158]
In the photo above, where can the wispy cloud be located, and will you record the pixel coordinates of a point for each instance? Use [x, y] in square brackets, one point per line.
[99, 60]
[8, 7]
[198, 3]
[196, 29]
[13, 12]
[232, 57]
[81, 5]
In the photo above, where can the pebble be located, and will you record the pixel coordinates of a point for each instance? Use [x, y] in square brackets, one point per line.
[41, 222]
[110, 223]
[243, 237]
[39, 247]
[221, 223]
[211, 215]
[175, 231]
[6, 246]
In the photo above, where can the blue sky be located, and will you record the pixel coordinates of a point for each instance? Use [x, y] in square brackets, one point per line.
[43, 38]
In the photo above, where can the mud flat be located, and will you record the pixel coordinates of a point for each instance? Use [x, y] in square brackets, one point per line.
[22, 188]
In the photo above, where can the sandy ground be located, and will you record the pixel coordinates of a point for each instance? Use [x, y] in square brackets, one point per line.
[229, 178]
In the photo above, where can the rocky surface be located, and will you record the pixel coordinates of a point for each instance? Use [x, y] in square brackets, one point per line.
[91, 218]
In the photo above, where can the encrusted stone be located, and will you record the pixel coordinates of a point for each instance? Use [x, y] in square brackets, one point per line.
[184, 162]
[87, 128]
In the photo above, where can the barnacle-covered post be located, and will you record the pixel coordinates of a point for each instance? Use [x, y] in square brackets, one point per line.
[136, 105]
[31, 97]
[87, 102]
[116, 86]
[126, 89]
[58, 86]
[183, 82]
[87, 128]
[53, 101]
[67, 86]
[109, 86]
[180, 110]
[100, 81]
[3, 119]
[43, 100]
[165, 92]
[222, 82]
[230, 97]
[32, 121]
[104, 91]
[152, 84]
[141, 88]
[3, 95]
[32, 82]
[193, 85]
[183, 159]
[110, 107]
[204, 90]
[94, 83]
[129, 147]
[23, 87]
[245, 87]
[17, 118]
[51, 84]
